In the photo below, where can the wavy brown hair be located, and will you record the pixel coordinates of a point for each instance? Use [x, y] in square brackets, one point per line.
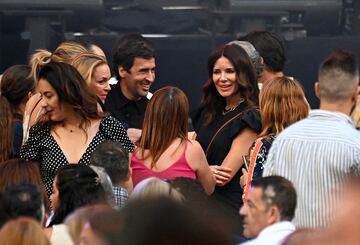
[282, 103]
[73, 90]
[212, 101]
[166, 118]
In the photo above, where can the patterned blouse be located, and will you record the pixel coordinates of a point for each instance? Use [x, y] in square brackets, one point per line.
[258, 154]
[41, 146]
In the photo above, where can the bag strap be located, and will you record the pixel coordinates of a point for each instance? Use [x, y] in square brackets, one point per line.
[254, 154]
[226, 123]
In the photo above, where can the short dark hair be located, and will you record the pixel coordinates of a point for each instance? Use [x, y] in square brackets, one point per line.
[129, 47]
[338, 74]
[113, 158]
[270, 46]
[279, 192]
[24, 199]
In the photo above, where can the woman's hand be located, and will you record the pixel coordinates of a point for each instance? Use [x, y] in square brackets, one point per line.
[243, 178]
[222, 174]
[134, 134]
[33, 110]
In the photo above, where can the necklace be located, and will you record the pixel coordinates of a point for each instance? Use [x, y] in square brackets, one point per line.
[226, 111]
[71, 130]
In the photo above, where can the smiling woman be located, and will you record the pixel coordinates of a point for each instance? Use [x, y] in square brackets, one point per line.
[228, 120]
[71, 126]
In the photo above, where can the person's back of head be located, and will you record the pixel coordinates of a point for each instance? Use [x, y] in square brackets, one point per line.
[338, 77]
[166, 116]
[253, 55]
[23, 231]
[77, 219]
[191, 189]
[152, 188]
[101, 224]
[162, 220]
[282, 103]
[279, 192]
[114, 159]
[270, 47]
[16, 85]
[24, 199]
[4, 216]
[91, 47]
[17, 171]
[129, 47]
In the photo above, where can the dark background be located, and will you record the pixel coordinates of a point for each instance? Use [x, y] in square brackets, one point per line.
[183, 37]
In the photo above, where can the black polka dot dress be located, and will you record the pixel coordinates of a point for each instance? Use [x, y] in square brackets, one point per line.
[41, 146]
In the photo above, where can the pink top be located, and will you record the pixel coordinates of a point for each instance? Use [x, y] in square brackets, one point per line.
[180, 168]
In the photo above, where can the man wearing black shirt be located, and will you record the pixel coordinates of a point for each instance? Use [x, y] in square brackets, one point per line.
[134, 68]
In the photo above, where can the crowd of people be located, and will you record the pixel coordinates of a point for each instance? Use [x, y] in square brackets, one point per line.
[83, 161]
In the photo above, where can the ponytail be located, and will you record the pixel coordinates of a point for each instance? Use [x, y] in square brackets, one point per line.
[38, 60]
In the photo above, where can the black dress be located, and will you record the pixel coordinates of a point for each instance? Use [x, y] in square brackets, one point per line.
[241, 118]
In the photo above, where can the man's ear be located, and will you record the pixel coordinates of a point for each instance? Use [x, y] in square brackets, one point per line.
[274, 215]
[122, 71]
[355, 94]
[317, 90]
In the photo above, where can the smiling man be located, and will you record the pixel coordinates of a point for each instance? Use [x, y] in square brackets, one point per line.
[268, 211]
[134, 68]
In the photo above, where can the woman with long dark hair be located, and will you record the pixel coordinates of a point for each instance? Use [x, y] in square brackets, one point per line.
[74, 186]
[228, 119]
[73, 125]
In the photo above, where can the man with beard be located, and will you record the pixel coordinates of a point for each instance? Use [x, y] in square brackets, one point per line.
[320, 151]
[134, 68]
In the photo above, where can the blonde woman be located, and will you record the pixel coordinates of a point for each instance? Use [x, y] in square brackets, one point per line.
[96, 73]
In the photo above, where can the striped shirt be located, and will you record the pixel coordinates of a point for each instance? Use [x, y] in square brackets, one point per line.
[316, 154]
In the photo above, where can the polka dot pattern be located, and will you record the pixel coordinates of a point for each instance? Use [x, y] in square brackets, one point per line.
[41, 146]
